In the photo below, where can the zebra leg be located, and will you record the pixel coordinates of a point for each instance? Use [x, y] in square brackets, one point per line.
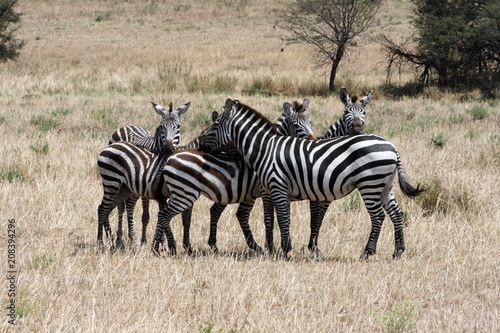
[112, 197]
[103, 217]
[282, 204]
[392, 208]
[377, 216]
[145, 219]
[215, 213]
[268, 221]
[130, 205]
[165, 215]
[318, 210]
[243, 215]
[186, 224]
[119, 230]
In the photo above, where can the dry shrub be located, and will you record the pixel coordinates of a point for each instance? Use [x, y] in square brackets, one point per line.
[440, 199]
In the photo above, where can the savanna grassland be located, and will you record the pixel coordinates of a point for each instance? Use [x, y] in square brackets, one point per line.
[90, 67]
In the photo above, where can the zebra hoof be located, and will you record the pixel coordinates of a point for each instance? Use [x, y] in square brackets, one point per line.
[259, 250]
[316, 254]
[120, 245]
[214, 249]
[156, 249]
[365, 255]
[397, 254]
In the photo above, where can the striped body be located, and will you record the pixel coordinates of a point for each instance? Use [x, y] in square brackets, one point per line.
[129, 134]
[129, 169]
[224, 178]
[318, 170]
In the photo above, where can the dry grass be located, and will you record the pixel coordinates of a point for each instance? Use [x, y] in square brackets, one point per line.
[91, 67]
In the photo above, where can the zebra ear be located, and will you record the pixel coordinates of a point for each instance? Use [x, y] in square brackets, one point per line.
[305, 104]
[159, 109]
[287, 108]
[366, 100]
[344, 97]
[228, 105]
[215, 115]
[183, 108]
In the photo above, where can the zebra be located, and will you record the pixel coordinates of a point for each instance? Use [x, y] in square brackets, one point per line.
[132, 149]
[224, 178]
[318, 170]
[351, 122]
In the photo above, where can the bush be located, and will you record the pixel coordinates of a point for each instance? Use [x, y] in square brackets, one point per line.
[12, 175]
[478, 112]
[401, 317]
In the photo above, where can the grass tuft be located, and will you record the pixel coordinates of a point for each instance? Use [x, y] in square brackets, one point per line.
[401, 317]
[12, 175]
[43, 123]
[478, 112]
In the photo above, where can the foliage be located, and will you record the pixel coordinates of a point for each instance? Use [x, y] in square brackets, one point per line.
[41, 148]
[44, 124]
[11, 175]
[209, 328]
[438, 140]
[456, 44]
[478, 112]
[9, 45]
[401, 317]
[329, 26]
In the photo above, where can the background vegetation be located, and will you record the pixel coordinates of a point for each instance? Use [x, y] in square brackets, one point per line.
[90, 67]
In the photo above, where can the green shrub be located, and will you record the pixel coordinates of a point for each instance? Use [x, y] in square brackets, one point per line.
[209, 328]
[44, 124]
[401, 317]
[478, 112]
[470, 134]
[438, 140]
[40, 148]
[42, 261]
[352, 202]
[11, 175]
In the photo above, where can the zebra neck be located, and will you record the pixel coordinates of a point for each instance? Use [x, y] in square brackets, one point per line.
[336, 129]
[252, 142]
[152, 143]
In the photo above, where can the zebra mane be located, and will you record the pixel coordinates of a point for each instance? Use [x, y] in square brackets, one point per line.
[354, 98]
[245, 108]
[298, 107]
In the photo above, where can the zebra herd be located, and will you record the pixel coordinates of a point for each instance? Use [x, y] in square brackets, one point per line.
[243, 156]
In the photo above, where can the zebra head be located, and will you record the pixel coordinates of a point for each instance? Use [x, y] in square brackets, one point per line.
[170, 125]
[354, 113]
[294, 122]
[218, 135]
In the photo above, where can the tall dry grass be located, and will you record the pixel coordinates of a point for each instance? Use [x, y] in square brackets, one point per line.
[91, 67]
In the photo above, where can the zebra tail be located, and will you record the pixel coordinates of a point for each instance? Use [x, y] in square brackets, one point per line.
[405, 184]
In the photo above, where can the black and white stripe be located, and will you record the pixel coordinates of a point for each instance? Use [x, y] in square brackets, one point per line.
[318, 170]
[223, 178]
[351, 122]
[129, 169]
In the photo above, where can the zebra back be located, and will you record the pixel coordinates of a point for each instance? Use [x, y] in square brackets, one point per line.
[169, 129]
[352, 121]
[129, 134]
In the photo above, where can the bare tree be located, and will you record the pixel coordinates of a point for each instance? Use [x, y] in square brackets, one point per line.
[330, 26]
